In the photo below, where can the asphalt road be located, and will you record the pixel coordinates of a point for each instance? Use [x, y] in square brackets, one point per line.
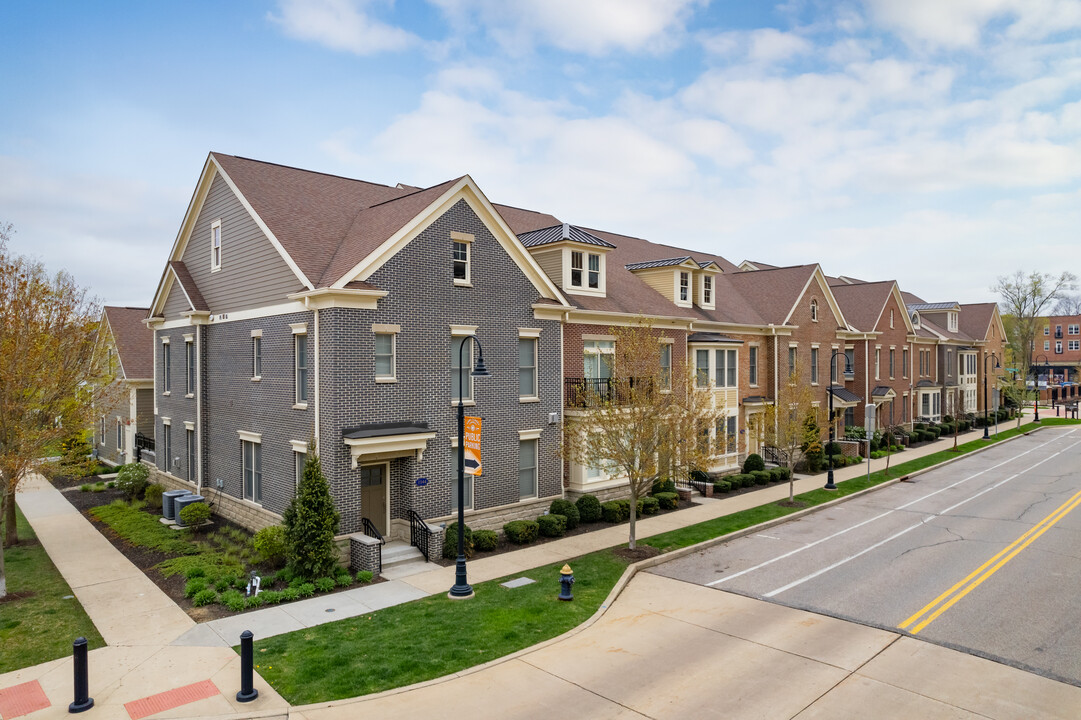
[983, 555]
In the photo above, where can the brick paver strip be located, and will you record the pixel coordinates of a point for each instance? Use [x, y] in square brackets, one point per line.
[170, 699]
[23, 699]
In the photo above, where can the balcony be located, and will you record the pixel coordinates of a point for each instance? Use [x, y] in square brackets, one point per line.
[588, 392]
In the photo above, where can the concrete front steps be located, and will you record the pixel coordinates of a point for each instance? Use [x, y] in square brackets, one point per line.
[400, 559]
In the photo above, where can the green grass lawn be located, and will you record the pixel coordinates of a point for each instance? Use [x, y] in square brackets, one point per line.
[43, 625]
[433, 636]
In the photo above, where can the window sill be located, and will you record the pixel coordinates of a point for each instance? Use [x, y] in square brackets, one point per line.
[529, 399]
[215, 269]
[167, 392]
[251, 503]
[464, 403]
[256, 378]
[462, 283]
[190, 395]
[385, 380]
[300, 406]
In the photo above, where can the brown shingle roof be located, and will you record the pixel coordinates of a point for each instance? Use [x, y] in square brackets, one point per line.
[772, 293]
[975, 319]
[188, 283]
[134, 340]
[522, 221]
[862, 304]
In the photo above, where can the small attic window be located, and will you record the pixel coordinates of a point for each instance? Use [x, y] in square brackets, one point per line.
[215, 246]
[915, 319]
[814, 311]
[684, 286]
[952, 320]
[585, 267]
[707, 290]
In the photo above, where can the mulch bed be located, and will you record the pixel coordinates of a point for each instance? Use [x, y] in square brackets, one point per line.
[642, 552]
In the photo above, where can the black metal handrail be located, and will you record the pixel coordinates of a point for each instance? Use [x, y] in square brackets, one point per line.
[371, 531]
[420, 535]
[583, 392]
[775, 455]
[143, 442]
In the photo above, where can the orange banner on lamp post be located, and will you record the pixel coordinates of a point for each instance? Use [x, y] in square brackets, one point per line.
[472, 446]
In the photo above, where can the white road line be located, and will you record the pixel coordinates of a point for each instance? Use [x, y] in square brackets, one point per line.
[927, 519]
[768, 537]
[860, 524]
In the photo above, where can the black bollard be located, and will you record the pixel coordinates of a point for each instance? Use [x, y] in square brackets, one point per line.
[83, 701]
[247, 690]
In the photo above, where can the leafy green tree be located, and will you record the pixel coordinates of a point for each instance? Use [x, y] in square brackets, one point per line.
[311, 522]
[1025, 299]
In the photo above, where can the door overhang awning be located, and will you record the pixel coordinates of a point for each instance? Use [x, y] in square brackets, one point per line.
[382, 441]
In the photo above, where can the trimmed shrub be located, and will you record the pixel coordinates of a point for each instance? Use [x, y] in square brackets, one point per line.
[552, 525]
[195, 586]
[776, 474]
[204, 597]
[195, 514]
[232, 599]
[364, 576]
[753, 462]
[325, 584]
[271, 597]
[521, 532]
[568, 510]
[650, 505]
[489, 539]
[664, 485]
[311, 522]
[133, 479]
[919, 426]
[612, 511]
[272, 545]
[668, 501]
[747, 479]
[721, 486]
[786, 473]
[152, 495]
[761, 477]
[589, 508]
[450, 542]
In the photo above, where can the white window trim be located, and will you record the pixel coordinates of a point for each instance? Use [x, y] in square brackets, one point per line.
[393, 377]
[257, 335]
[468, 240]
[457, 331]
[677, 286]
[299, 329]
[525, 333]
[710, 304]
[583, 288]
[529, 434]
[189, 425]
[535, 397]
[190, 368]
[816, 372]
[247, 436]
[814, 310]
[758, 354]
[215, 266]
[536, 469]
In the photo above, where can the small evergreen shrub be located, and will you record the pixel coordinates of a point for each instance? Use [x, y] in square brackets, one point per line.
[650, 505]
[84, 488]
[552, 525]
[152, 495]
[521, 532]
[753, 462]
[746, 479]
[786, 473]
[311, 522]
[589, 508]
[568, 510]
[612, 512]
[776, 474]
[271, 545]
[668, 500]
[489, 539]
[132, 479]
[665, 485]
[195, 514]
[721, 486]
[204, 597]
[364, 576]
[325, 584]
[761, 477]
[450, 541]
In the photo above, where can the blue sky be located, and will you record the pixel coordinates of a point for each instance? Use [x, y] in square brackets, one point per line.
[936, 142]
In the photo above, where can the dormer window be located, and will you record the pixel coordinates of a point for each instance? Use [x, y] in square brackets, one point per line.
[952, 322]
[707, 290]
[814, 311]
[684, 286]
[594, 271]
[578, 269]
[915, 319]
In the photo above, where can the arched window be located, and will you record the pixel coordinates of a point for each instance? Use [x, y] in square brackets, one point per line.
[814, 311]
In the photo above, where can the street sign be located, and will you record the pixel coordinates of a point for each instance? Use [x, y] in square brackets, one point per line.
[994, 396]
[869, 418]
[472, 446]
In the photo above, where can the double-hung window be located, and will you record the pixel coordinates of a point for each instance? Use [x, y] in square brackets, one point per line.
[166, 445]
[666, 366]
[576, 268]
[814, 311]
[257, 354]
[384, 356]
[190, 438]
[814, 366]
[701, 367]
[707, 290]
[791, 360]
[166, 376]
[189, 364]
[892, 356]
[598, 359]
[684, 286]
[461, 362]
[119, 434]
[215, 246]
[726, 434]
[253, 470]
[724, 368]
[300, 361]
[752, 365]
[527, 469]
[878, 362]
[594, 271]
[904, 362]
[461, 262]
[300, 459]
[527, 367]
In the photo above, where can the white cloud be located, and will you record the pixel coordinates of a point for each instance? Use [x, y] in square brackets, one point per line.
[962, 23]
[594, 28]
[341, 25]
[764, 46]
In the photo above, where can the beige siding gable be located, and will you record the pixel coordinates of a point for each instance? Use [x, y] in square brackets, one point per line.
[253, 273]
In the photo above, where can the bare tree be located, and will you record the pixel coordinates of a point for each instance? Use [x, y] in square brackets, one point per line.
[1067, 305]
[783, 424]
[646, 422]
[50, 378]
[1025, 298]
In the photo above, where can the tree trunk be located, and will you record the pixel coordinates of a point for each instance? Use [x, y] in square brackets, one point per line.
[3, 575]
[10, 530]
[634, 513]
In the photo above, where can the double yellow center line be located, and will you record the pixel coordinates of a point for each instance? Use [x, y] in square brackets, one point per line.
[946, 600]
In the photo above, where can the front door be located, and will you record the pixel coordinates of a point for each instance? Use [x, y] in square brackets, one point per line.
[373, 495]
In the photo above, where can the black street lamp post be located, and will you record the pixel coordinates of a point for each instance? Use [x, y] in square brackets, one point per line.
[829, 456]
[461, 589]
[997, 365]
[1036, 385]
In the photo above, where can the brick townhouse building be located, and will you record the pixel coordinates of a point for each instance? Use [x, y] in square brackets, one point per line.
[126, 344]
[1059, 340]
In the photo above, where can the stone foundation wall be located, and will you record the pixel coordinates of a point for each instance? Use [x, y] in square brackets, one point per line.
[243, 513]
[604, 494]
[496, 518]
[364, 553]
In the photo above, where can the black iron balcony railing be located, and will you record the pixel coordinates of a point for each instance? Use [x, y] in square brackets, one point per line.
[583, 392]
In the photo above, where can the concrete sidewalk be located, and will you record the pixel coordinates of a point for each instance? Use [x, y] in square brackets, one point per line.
[604, 668]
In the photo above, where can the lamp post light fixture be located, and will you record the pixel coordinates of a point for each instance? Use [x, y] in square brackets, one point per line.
[461, 589]
[996, 366]
[830, 485]
[1036, 385]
